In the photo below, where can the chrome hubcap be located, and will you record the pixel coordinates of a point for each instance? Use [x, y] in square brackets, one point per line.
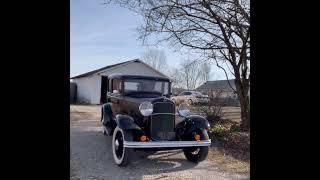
[195, 152]
[116, 143]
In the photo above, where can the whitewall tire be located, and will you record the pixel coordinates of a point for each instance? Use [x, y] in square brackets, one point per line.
[121, 155]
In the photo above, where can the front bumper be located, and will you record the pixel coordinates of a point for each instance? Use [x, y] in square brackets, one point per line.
[166, 144]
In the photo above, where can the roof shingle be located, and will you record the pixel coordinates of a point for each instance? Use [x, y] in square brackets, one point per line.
[217, 85]
[113, 65]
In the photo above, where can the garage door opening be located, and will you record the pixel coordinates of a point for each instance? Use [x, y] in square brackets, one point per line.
[104, 89]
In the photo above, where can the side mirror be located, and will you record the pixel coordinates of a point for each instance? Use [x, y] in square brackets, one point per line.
[184, 110]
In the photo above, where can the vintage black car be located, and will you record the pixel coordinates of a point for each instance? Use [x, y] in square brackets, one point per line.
[140, 116]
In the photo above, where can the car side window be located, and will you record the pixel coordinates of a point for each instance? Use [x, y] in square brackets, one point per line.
[182, 94]
[187, 93]
[116, 85]
[166, 88]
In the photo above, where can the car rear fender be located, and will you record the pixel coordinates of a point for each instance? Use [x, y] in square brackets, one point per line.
[106, 114]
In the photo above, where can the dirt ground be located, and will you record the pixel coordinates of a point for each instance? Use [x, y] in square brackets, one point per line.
[91, 156]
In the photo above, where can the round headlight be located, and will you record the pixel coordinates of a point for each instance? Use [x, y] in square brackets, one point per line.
[184, 110]
[146, 108]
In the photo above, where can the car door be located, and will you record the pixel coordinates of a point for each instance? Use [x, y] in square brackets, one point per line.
[115, 95]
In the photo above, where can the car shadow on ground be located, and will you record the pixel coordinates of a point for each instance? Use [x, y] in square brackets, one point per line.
[163, 161]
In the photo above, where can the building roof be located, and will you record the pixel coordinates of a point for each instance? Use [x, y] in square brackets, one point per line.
[114, 65]
[217, 85]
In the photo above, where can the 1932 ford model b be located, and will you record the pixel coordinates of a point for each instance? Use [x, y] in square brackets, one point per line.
[140, 115]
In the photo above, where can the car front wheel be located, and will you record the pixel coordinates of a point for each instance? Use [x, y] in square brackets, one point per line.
[121, 154]
[197, 154]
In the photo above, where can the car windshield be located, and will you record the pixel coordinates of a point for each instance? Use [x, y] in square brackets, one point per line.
[146, 86]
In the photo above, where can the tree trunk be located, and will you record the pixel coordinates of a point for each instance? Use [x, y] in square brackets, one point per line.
[243, 96]
[245, 113]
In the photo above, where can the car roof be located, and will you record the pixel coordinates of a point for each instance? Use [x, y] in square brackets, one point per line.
[126, 76]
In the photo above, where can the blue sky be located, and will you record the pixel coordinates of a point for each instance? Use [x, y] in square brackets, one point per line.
[101, 35]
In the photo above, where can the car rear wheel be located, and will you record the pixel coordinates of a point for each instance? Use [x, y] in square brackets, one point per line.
[104, 131]
[190, 102]
[121, 154]
[197, 154]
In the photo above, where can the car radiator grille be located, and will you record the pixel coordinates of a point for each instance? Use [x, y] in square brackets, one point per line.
[163, 121]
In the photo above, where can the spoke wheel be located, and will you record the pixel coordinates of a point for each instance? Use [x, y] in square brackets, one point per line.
[121, 154]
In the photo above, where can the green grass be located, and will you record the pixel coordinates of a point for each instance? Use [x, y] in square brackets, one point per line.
[218, 128]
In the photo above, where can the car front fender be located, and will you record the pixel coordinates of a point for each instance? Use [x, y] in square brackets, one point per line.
[194, 122]
[126, 122]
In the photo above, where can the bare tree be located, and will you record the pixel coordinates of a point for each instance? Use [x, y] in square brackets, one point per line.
[194, 73]
[155, 58]
[206, 68]
[176, 77]
[217, 30]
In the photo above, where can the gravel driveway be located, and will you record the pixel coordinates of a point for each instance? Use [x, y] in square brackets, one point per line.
[91, 156]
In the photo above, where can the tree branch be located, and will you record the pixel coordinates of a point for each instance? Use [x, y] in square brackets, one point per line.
[225, 72]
